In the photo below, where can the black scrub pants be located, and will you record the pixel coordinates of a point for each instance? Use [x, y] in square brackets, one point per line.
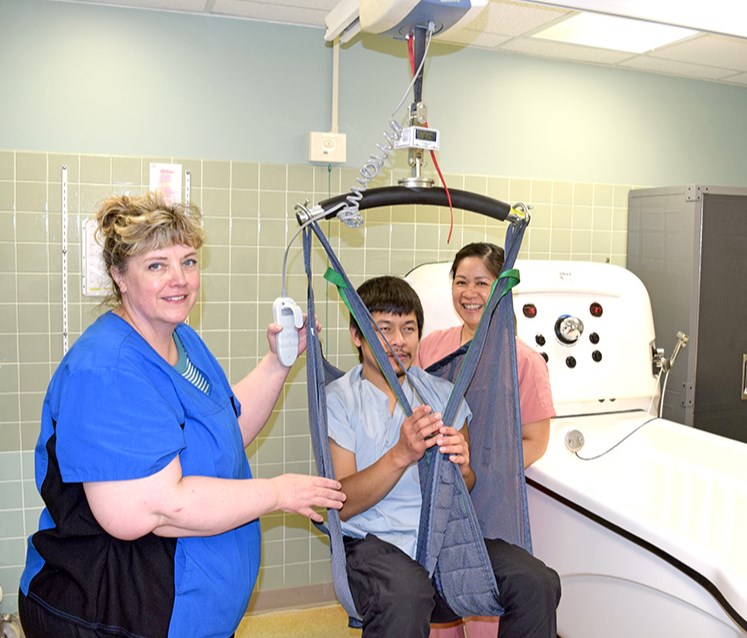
[38, 622]
[395, 597]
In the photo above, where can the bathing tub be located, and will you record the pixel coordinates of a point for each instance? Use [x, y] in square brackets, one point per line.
[650, 538]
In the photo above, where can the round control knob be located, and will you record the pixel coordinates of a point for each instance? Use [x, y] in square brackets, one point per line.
[570, 362]
[596, 355]
[539, 340]
[594, 338]
[568, 329]
[545, 357]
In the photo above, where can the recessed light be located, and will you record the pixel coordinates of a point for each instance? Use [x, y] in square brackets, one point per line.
[727, 17]
[611, 32]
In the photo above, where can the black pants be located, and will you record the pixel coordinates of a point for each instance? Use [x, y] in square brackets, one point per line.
[395, 597]
[38, 622]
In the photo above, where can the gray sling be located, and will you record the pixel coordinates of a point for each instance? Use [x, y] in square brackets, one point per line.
[450, 538]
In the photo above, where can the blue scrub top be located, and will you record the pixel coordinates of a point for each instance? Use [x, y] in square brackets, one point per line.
[116, 410]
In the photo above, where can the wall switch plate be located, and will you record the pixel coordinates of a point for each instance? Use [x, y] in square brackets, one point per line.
[327, 148]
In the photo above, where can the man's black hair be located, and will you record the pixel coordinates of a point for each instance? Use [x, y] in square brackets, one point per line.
[389, 294]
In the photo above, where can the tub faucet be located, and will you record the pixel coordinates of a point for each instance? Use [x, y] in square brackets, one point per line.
[663, 364]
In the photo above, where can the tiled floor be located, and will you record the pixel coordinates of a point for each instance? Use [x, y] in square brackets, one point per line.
[318, 622]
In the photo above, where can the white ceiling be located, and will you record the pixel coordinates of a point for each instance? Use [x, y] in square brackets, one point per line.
[505, 25]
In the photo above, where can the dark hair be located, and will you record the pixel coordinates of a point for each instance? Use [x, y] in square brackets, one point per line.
[492, 255]
[389, 294]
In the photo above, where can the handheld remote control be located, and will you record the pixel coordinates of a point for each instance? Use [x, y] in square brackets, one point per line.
[287, 314]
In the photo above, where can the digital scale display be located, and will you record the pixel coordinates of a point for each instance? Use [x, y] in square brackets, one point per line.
[418, 137]
[426, 135]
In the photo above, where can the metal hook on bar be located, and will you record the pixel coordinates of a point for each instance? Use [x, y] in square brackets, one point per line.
[520, 213]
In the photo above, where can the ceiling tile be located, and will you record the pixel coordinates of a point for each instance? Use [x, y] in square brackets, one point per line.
[270, 12]
[515, 18]
[190, 6]
[740, 78]
[712, 50]
[505, 25]
[548, 49]
[468, 37]
[673, 67]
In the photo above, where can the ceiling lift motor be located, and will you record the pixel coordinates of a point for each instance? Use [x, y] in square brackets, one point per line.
[398, 18]
[417, 21]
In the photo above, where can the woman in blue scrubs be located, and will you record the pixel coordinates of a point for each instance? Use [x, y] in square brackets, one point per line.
[151, 522]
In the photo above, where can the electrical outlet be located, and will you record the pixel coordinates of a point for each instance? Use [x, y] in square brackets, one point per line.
[327, 148]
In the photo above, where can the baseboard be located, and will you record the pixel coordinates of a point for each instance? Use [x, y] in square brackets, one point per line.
[292, 598]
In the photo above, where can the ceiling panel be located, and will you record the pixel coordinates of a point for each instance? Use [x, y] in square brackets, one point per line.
[672, 67]
[470, 38]
[515, 18]
[712, 50]
[741, 78]
[190, 6]
[270, 12]
[506, 25]
[563, 51]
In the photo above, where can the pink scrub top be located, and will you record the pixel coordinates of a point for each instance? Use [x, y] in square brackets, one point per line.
[535, 396]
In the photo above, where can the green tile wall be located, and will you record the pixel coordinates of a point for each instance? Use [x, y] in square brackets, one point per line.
[249, 218]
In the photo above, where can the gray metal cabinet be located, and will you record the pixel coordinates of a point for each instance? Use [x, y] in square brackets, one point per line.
[688, 245]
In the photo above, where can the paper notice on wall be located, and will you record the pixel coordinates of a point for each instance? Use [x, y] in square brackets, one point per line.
[96, 281]
[166, 179]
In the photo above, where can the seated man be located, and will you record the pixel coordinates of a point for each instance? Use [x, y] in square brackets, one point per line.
[375, 451]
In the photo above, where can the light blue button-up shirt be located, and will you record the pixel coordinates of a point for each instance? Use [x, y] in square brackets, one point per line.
[359, 421]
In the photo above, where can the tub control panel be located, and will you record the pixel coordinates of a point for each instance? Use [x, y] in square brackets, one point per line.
[592, 324]
[569, 331]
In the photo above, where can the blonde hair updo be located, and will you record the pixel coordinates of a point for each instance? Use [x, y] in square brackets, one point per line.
[128, 226]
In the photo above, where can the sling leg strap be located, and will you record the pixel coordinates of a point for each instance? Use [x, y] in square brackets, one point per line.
[317, 402]
[441, 539]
